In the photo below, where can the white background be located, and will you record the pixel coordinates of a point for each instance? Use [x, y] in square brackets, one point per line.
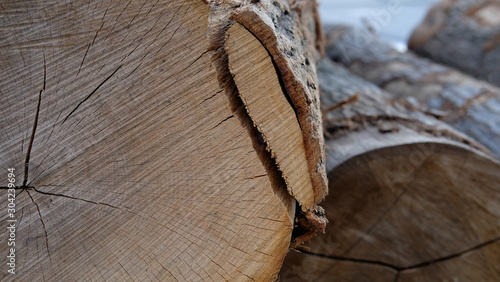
[395, 28]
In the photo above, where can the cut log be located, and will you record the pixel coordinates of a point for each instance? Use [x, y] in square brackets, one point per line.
[134, 156]
[411, 199]
[470, 105]
[464, 34]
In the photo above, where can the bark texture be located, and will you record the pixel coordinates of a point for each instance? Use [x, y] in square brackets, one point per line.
[135, 158]
[470, 105]
[464, 34]
[411, 199]
[287, 29]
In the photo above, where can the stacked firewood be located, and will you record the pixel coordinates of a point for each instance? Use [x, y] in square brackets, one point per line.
[197, 140]
[413, 147]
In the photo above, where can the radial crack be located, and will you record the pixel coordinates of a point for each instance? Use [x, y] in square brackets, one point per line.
[74, 198]
[43, 224]
[35, 124]
[91, 93]
[452, 256]
[223, 121]
[398, 268]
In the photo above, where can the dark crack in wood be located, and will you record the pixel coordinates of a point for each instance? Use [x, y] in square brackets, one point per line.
[398, 268]
[452, 256]
[74, 198]
[223, 121]
[83, 60]
[43, 225]
[35, 124]
[397, 276]
[206, 99]
[91, 93]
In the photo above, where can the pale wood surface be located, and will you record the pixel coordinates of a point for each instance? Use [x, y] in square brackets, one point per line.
[470, 105]
[260, 90]
[144, 165]
[409, 196]
[464, 34]
[287, 29]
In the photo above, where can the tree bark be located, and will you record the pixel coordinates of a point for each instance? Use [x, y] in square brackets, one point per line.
[135, 158]
[464, 34]
[472, 106]
[411, 199]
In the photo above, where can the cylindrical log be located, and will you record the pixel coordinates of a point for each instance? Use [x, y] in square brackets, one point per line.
[464, 34]
[131, 154]
[468, 104]
[411, 199]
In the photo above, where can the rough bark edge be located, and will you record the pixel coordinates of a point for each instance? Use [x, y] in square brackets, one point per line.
[307, 226]
[300, 84]
[320, 35]
[239, 38]
[218, 23]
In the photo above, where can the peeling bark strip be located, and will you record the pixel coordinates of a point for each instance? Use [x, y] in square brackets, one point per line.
[464, 34]
[143, 161]
[283, 29]
[259, 88]
[411, 204]
[302, 18]
[469, 105]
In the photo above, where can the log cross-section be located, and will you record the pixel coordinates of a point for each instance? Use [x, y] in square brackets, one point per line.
[134, 160]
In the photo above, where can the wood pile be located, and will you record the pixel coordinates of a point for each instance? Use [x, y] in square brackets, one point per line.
[470, 105]
[410, 199]
[240, 140]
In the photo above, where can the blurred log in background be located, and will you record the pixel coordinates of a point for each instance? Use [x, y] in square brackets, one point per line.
[464, 34]
[183, 140]
[468, 104]
[413, 168]
[411, 199]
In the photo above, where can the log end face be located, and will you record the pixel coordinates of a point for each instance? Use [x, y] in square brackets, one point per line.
[388, 203]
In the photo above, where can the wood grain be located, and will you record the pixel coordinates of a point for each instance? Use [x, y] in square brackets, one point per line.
[259, 87]
[143, 165]
[288, 30]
